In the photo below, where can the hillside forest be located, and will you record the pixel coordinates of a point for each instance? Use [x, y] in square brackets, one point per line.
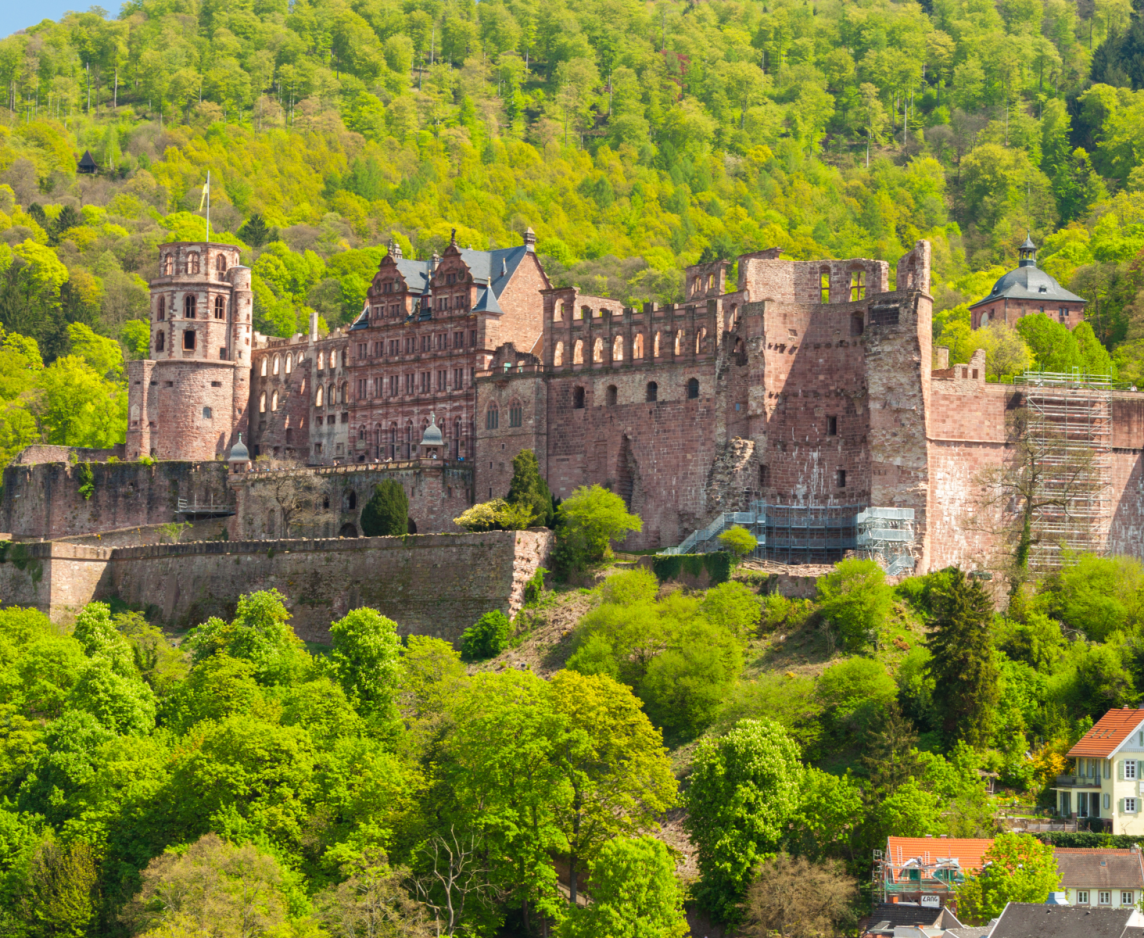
[644, 746]
[633, 137]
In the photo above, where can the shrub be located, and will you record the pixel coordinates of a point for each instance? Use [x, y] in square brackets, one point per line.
[534, 588]
[856, 599]
[487, 637]
[631, 586]
[497, 515]
[591, 519]
[739, 541]
[386, 514]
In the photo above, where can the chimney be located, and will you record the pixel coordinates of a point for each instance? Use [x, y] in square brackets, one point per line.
[941, 357]
[433, 263]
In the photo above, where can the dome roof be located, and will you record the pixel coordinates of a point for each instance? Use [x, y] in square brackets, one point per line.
[239, 452]
[432, 436]
[1028, 282]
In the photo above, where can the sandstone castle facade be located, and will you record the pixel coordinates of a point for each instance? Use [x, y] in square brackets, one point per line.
[800, 398]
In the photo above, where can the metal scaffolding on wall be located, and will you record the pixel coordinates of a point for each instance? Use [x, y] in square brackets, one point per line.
[1069, 430]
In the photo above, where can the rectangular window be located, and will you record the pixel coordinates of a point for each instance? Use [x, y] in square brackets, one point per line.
[361, 389]
[824, 287]
[857, 285]
[1082, 897]
[458, 340]
[1126, 897]
[1105, 898]
[832, 426]
[393, 385]
[442, 379]
[425, 382]
[514, 416]
[472, 338]
[842, 478]
[409, 379]
[189, 340]
[1129, 805]
[425, 343]
[458, 378]
[1129, 768]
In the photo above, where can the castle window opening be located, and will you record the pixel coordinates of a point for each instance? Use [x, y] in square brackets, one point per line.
[693, 389]
[219, 308]
[220, 264]
[638, 347]
[857, 285]
[168, 265]
[159, 342]
[189, 307]
[277, 365]
[699, 337]
[824, 286]
[321, 360]
[558, 355]
[222, 353]
[289, 360]
[652, 392]
[764, 477]
[318, 396]
[578, 352]
[492, 418]
[351, 500]
[558, 312]
[262, 403]
[162, 308]
[585, 312]
[361, 433]
[832, 426]
[274, 401]
[408, 439]
[618, 349]
[678, 341]
[344, 396]
[189, 340]
[332, 395]
[598, 350]
[842, 478]
[857, 324]
[193, 263]
[515, 415]
[262, 368]
[207, 415]
[578, 398]
[611, 395]
[710, 281]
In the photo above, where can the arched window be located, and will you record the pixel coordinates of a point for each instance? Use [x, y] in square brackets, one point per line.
[578, 352]
[652, 391]
[585, 312]
[557, 355]
[351, 495]
[332, 395]
[189, 307]
[618, 349]
[159, 341]
[578, 398]
[277, 365]
[824, 285]
[492, 417]
[168, 265]
[262, 368]
[610, 397]
[262, 403]
[220, 264]
[637, 347]
[219, 307]
[289, 363]
[318, 396]
[598, 350]
[345, 395]
[274, 401]
[361, 433]
[189, 340]
[699, 337]
[208, 414]
[693, 389]
[162, 308]
[515, 415]
[857, 285]
[321, 360]
[558, 312]
[193, 263]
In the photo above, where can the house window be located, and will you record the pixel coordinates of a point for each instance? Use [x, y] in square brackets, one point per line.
[652, 391]
[832, 426]
[162, 307]
[1129, 805]
[1126, 897]
[1107, 801]
[219, 307]
[189, 307]
[1129, 768]
[693, 389]
[857, 285]
[1105, 898]
[577, 398]
[1082, 897]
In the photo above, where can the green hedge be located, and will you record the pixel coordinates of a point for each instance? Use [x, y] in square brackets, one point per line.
[718, 566]
[1087, 839]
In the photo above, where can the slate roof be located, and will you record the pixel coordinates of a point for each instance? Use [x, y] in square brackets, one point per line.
[890, 915]
[1100, 869]
[1029, 920]
[1028, 283]
[1110, 731]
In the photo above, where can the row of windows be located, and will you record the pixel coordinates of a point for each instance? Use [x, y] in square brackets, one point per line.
[515, 416]
[651, 393]
[190, 307]
[439, 342]
[857, 285]
[190, 338]
[618, 347]
[191, 265]
[1104, 897]
[276, 364]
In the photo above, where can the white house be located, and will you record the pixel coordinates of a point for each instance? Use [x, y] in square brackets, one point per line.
[1108, 775]
[1101, 878]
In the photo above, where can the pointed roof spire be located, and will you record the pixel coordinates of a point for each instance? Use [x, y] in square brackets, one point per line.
[1027, 252]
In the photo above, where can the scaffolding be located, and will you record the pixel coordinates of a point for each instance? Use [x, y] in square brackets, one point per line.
[927, 880]
[1069, 435]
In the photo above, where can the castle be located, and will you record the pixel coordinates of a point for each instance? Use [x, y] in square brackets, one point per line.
[802, 399]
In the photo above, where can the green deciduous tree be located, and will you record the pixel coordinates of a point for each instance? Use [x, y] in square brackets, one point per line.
[856, 599]
[1020, 869]
[739, 541]
[591, 518]
[259, 633]
[367, 658]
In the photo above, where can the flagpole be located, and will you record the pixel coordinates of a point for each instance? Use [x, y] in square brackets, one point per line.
[208, 206]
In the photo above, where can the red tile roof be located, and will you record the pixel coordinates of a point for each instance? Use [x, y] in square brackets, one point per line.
[967, 850]
[1108, 733]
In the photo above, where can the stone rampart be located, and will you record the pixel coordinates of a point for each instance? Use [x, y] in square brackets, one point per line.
[429, 584]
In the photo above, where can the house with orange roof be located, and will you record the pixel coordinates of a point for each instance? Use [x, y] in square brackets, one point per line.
[926, 871]
[1107, 781]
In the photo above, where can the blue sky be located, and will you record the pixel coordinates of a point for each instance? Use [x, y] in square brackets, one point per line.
[20, 14]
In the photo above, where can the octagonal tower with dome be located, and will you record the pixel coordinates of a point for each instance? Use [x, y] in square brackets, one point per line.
[1025, 291]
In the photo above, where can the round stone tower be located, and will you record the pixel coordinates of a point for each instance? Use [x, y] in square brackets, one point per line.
[189, 399]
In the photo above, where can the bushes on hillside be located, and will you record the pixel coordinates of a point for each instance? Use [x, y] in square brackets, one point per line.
[487, 637]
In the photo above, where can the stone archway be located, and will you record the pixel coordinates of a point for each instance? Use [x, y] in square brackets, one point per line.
[348, 530]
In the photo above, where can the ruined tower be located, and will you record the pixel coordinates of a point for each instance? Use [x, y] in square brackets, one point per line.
[189, 398]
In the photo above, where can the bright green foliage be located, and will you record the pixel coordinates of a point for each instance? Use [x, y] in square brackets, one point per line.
[497, 515]
[790, 701]
[856, 599]
[962, 666]
[738, 540]
[1021, 869]
[829, 808]
[367, 658]
[1053, 344]
[733, 607]
[136, 338]
[591, 518]
[1037, 641]
[745, 791]
[60, 892]
[386, 514]
[259, 633]
[634, 893]
[216, 688]
[99, 637]
[124, 705]
[855, 693]
[487, 637]
[1098, 595]
[629, 587]
[528, 489]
